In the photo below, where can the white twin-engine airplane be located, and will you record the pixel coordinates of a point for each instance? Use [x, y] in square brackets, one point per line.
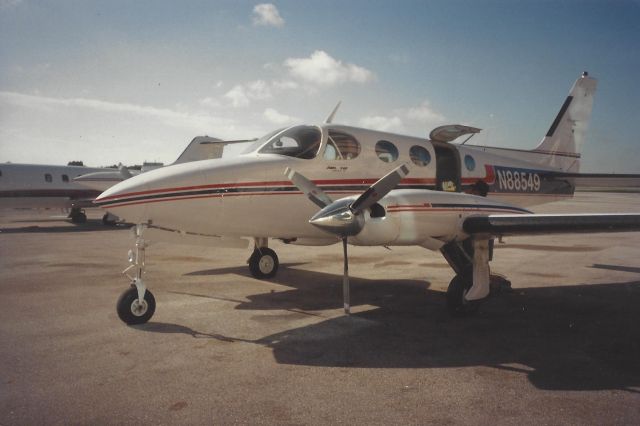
[318, 185]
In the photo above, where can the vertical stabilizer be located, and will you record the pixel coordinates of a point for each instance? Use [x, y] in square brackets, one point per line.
[565, 137]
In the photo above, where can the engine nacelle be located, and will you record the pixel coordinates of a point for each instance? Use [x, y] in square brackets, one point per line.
[377, 231]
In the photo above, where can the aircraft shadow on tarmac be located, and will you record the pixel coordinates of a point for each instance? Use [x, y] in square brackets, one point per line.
[584, 337]
[90, 225]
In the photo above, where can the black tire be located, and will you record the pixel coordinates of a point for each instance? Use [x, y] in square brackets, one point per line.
[263, 263]
[456, 303]
[135, 314]
[79, 217]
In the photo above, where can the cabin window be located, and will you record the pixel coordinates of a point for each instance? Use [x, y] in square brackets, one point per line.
[469, 163]
[386, 151]
[65, 178]
[420, 156]
[48, 178]
[341, 146]
[299, 142]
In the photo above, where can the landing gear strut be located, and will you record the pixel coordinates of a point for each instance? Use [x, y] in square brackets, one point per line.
[136, 305]
[457, 305]
[263, 262]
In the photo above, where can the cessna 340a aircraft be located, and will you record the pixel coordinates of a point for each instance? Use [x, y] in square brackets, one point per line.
[319, 185]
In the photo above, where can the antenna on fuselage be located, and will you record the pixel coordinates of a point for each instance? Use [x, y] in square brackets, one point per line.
[329, 119]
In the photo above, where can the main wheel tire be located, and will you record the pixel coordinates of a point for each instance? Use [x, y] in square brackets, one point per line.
[131, 311]
[263, 263]
[79, 217]
[457, 305]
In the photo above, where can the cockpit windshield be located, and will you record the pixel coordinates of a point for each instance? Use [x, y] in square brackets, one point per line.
[299, 141]
[259, 142]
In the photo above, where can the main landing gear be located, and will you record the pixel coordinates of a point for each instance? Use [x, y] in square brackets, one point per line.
[473, 281]
[136, 305]
[77, 215]
[459, 286]
[263, 262]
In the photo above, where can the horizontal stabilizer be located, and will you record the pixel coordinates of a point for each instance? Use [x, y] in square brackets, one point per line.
[206, 148]
[605, 181]
[539, 224]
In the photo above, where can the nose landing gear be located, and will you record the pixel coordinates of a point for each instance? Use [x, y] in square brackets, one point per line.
[136, 305]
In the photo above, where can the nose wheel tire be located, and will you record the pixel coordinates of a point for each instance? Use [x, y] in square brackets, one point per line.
[457, 305]
[263, 263]
[133, 311]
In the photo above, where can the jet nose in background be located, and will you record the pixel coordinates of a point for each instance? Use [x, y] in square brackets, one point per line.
[126, 200]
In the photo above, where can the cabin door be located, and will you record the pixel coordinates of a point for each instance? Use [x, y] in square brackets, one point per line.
[447, 167]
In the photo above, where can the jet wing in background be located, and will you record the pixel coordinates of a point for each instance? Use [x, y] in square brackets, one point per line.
[540, 224]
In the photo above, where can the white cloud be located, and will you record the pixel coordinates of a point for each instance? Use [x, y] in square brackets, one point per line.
[242, 95]
[6, 4]
[175, 118]
[285, 85]
[266, 14]
[424, 114]
[210, 102]
[238, 96]
[277, 118]
[52, 130]
[384, 124]
[321, 69]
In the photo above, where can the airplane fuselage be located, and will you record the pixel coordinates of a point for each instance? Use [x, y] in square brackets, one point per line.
[43, 186]
[249, 195]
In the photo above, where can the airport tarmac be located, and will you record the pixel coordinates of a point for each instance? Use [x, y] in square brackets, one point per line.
[563, 347]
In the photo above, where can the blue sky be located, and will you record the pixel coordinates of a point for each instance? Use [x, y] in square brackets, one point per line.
[128, 81]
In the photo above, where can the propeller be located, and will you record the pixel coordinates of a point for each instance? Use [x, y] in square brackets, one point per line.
[344, 217]
[309, 188]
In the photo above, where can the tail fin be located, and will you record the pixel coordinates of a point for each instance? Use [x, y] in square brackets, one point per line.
[565, 137]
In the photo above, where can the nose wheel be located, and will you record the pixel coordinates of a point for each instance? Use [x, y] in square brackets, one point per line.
[263, 263]
[132, 310]
[136, 305]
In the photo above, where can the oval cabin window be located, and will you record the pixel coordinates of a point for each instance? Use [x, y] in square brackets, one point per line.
[419, 156]
[469, 163]
[386, 151]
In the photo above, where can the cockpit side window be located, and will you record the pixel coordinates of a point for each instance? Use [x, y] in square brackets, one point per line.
[341, 146]
[300, 142]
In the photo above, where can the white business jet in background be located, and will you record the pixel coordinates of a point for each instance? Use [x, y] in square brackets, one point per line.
[74, 187]
[322, 184]
[39, 186]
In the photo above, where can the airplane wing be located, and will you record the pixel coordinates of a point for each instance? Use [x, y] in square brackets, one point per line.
[539, 224]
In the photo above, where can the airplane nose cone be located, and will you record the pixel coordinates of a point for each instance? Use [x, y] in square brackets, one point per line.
[337, 218]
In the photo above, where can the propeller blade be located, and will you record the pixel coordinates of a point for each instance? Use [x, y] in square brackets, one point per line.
[345, 279]
[379, 189]
[309, 188]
